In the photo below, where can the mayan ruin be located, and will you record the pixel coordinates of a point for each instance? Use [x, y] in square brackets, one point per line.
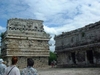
[80, 47]
[25, 38]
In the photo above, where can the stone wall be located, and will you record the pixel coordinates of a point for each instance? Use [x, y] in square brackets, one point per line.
[25, 38]
[78, 37]
[80, 46]
[39, 62]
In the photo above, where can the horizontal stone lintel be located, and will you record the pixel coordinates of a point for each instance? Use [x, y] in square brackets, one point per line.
[28, 38]
[94, 45]
[26, 46]
[40, 34]
[28, 52]
[23, 34]
[30, 55]
[24, 49]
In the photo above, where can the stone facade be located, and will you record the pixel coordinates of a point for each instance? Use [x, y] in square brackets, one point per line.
[80, 47]
[25, 38]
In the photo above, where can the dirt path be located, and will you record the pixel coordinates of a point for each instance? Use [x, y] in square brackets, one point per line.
[69, 71]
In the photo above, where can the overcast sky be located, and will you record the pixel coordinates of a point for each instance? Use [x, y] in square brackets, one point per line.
[58, 15]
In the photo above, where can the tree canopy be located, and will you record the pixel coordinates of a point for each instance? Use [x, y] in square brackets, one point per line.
[52, 57]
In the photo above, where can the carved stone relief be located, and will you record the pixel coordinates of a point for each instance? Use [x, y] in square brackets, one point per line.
[26, 38]
[25, 26]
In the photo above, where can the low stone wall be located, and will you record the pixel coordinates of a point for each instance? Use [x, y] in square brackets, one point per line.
[39, 62]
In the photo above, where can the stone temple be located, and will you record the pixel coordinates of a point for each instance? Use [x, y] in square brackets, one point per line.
[25, 38]
[80, 47]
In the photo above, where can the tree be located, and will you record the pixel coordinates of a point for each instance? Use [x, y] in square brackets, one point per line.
[52, 57]
[2, 35]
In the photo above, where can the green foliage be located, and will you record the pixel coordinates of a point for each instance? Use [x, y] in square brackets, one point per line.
[52, 57]
[2, 35]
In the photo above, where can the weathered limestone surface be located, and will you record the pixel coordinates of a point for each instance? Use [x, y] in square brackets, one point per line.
[26, 38]
[80, 46]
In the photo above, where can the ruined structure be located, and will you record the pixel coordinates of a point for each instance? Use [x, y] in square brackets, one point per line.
[25, 38]
[80, 47]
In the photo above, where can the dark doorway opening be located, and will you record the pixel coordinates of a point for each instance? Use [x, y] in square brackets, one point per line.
[90, 56]
[73, 57]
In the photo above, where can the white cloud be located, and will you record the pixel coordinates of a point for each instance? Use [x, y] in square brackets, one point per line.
[56, 31]
[2, 29]
[52, 48]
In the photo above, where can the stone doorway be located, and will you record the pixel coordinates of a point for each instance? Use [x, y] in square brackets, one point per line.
[73, 57]
[90, 56]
